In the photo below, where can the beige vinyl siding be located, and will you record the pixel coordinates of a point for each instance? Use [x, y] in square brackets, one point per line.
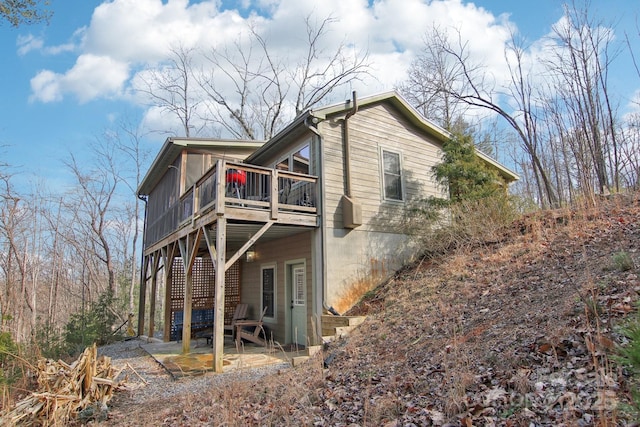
[333, 176]
[277, 252]
[233, 154]
[370, 130]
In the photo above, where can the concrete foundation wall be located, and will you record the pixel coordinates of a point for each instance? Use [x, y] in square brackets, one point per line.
[358, 261]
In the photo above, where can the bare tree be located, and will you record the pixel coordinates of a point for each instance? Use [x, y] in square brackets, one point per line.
[474, 88]
[21, 243]
[248, 86]
[431, 80]
[57, 254]
[169, 87]
[92, 206]
[245, 94]
[630, 147]
[54, 222]
[580, 70]
[127, 141]
[525, 120]
[12, 233]
[321, 72]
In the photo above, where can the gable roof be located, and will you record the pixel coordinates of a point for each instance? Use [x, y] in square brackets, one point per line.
[396, 100]
[173, 146]
[392, 98]
[439, 133]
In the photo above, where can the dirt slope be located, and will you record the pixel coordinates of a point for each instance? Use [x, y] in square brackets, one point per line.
[513, 333]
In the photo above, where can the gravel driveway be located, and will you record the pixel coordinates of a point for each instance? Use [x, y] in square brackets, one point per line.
[147, 380]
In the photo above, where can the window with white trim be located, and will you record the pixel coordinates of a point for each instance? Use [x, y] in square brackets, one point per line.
[268, 285]
[392, 175]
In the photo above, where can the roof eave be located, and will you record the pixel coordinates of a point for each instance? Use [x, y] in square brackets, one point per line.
[417, 120]
[395, 99]
[504, 171]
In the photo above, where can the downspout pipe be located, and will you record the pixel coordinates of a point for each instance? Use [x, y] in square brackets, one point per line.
[347, 145]
[309, 123]
[351, 208]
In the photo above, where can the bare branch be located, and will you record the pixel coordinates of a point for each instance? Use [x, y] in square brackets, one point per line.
[169, 87]
[249, 86]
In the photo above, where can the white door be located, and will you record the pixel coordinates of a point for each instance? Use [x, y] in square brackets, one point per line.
[298, 304]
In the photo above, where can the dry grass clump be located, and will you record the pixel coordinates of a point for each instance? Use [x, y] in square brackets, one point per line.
[66, 392]
[461, 226]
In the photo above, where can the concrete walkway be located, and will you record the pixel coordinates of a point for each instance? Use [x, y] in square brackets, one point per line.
[200, 359]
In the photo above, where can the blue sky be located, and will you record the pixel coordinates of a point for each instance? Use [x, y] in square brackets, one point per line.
[64, 83]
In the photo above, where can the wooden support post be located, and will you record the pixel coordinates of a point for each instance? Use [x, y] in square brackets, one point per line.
[186, 303]
[154, 291]
[143, 294]
[188, 251]
[194, 203]
[168, 254]
[221, 190]
[218, 323]
[274, 194]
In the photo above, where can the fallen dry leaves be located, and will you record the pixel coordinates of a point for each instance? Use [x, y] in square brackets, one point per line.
[516, 332]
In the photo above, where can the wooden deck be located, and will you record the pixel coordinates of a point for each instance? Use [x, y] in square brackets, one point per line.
[221, 216]
[249, 194]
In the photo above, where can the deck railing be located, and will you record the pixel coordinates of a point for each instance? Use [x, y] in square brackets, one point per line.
[242, 186]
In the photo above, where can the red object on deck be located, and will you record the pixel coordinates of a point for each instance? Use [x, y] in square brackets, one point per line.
[235, 176]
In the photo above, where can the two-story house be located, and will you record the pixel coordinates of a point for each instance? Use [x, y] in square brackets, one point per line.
[301, 225]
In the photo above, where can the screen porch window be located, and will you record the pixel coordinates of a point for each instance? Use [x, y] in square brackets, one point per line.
[392, 175]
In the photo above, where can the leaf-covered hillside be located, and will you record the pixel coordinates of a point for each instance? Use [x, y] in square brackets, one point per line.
[516, 332]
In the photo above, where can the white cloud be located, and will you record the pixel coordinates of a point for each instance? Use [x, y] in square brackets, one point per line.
[28, 43]
[46, 87]
[94, 76]
[141, 31]
[90, 78]
[55, 50]
[31, 43]
[126, 36]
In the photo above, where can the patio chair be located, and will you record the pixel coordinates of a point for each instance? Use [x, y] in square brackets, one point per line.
[240, 313]
[250, 331]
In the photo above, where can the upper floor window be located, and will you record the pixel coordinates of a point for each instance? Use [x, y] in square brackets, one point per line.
[392, 175]
[296, 162]
[300, 160]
